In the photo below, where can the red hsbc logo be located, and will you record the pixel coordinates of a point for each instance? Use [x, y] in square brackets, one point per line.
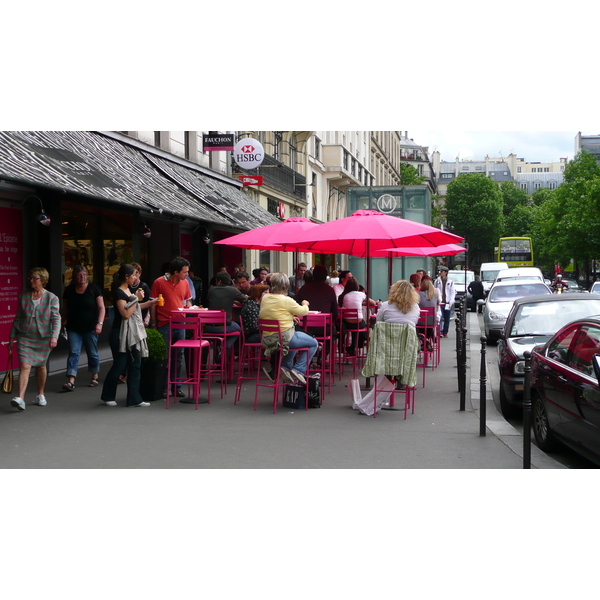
[248, 149]
[254, 180]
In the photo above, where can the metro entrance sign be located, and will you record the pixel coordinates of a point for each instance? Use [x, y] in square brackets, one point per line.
[251, 179]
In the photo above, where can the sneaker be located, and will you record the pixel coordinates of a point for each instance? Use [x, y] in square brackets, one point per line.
[18, 403]
[180, 394]
[40, 400]
[142, 404]
[286, 375]
[269, 373]
[299, 376]
[110, 403]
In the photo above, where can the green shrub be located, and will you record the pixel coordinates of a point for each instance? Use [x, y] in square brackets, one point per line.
[157, 346]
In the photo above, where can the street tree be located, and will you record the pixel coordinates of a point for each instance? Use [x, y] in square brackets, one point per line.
[474, 210]
[409, 175]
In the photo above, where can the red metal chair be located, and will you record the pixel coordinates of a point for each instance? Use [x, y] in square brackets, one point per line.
[220, 360]
[389, 355]
[434, 333]
[194, 346]
[273, 327]
[249, 361]
[351, 329]
[322, 330]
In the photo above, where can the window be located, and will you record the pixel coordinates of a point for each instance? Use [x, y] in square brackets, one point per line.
[276, 144]
[293, 152]
[559, 348]
[586, 345]
[552, 185]
[317, 148]
[272, 206]
[524, 186]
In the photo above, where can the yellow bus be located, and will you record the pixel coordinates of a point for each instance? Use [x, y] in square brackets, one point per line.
[516, 251]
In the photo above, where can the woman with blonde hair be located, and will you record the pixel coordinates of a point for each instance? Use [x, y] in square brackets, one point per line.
[402, 305]
[429, 298]
[35, 329]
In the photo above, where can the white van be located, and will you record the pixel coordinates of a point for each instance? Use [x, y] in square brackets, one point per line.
[520, 273]
[488, 272]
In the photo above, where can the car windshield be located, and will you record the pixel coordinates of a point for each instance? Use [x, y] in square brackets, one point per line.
[595, 288]
[489, 275]
[546, 318]
[509, 293]
[458, 277]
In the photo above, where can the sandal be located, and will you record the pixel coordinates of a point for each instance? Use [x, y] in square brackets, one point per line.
[68, 387]
[94, 382]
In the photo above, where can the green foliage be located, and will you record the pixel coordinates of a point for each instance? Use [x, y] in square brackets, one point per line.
[474, 210]
[409, 175]
[583, 166]
[519, 221]
[512, 198]
[541, 195]
[567, 223]
[157, 346]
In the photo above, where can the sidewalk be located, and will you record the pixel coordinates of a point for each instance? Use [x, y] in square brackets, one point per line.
[76, 430]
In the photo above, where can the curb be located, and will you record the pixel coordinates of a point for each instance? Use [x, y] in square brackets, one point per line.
[495, 422]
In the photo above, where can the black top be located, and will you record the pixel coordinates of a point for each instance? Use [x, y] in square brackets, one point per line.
[118, 294]
[82, 309]
[142, 285]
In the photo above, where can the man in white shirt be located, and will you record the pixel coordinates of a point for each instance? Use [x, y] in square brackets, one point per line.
[447, 293]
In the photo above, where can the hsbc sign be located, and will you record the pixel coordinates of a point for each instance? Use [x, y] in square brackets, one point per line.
[248, 153]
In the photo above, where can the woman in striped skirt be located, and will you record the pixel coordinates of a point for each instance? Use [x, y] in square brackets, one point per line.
[35, 329]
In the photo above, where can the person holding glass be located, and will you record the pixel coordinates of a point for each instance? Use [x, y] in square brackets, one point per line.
[35, 329]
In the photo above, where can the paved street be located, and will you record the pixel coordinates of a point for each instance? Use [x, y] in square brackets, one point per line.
[76, 430]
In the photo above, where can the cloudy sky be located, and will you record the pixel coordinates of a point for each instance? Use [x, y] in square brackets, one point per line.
[533, 146]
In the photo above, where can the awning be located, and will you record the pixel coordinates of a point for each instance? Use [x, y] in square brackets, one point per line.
[94, 165]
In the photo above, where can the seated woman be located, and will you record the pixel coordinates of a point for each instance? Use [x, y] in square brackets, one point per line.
[278, 306]
[353, 298]
[429, 298]
[402, 305]
[251, 311]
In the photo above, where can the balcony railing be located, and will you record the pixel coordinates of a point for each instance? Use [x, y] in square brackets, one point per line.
[279, 176]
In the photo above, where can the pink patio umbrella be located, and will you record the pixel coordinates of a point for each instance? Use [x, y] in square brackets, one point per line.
[445, 250]
[366, 233]
[270, 237]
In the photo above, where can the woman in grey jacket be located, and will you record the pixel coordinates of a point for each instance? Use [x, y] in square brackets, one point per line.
[35, 329]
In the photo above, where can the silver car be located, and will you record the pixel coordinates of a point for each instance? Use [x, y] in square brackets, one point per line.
[500, 301]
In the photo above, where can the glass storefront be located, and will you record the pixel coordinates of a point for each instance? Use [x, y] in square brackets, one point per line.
[412, 202]
[99, 239]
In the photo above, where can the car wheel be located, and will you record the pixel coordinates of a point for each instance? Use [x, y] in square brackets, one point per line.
[541, 426]
[508, 410]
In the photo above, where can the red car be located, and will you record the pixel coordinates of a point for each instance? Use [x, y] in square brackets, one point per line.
[565, 393]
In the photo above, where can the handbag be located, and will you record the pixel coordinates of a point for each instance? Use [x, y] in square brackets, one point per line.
[7, 382]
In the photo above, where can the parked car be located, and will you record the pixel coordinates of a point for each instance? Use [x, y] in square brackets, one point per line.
[574, 287]
[458, 278]
[565, 393]
[500, 300]
[519, 273]
[595, 289]
[531, 322]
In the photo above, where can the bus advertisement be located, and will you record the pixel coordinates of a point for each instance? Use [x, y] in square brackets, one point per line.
[516, 251]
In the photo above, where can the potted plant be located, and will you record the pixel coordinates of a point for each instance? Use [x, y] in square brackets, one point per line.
[154, 367]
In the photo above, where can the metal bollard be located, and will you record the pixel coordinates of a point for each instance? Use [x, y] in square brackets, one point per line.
[527, 412]
[463, 370]
[458, 348]
[482, 386]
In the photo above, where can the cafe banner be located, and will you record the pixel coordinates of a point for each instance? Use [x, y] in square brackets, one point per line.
[11, 276]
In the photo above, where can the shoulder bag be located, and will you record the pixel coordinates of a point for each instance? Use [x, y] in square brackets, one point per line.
[7, 382]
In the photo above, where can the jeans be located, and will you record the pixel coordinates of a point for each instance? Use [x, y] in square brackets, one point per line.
[300, 340]
[445, 321]
[89, 340]
[128, 362]
[233, 326]
[177, 356]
